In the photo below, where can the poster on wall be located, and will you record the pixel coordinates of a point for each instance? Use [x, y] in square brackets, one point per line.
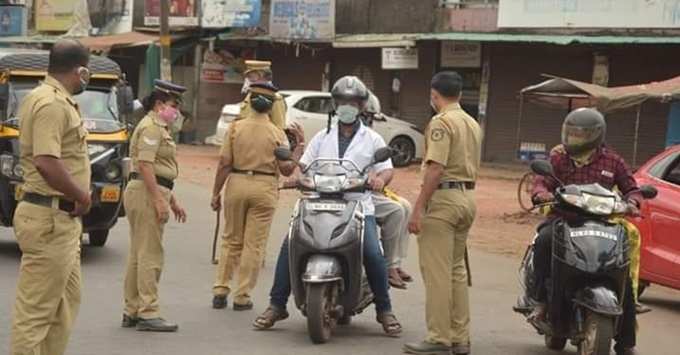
[224, 67]
[182, 13]
[461, 54]
[230, 13]
[400, 58]
[13, 21]
[311, 20]
[54, 15]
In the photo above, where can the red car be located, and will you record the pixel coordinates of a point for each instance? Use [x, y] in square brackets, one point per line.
[660, 222]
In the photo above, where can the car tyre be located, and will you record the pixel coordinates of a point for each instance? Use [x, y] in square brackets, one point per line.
[406, 151]
[98, 238]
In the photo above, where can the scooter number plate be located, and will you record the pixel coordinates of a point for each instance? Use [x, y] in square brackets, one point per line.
[320, 206]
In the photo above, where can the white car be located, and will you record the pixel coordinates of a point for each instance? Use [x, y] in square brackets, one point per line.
[310, 109]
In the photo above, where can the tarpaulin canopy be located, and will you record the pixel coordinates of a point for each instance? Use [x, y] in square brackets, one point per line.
[569, 94]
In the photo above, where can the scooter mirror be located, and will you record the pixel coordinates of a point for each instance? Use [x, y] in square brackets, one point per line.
[648, 191]
[282, 153]
[542, 167]
[382, 155]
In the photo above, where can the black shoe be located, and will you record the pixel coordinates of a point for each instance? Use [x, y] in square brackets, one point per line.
[220, 302]
[129, 322]
[156, 325]
[243, 307]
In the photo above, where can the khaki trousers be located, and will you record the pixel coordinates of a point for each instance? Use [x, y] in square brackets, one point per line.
[145, 257]
[48, 290]
[392, 217]
[249, 206]
[442, 245]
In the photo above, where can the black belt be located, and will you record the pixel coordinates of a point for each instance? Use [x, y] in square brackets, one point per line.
[167, 183]
[462, 185]
[251, 172]
[46, 201]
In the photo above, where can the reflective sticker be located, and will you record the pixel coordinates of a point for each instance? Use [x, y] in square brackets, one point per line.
[150, 141]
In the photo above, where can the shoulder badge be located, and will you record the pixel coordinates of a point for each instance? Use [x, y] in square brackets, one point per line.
[437, 134]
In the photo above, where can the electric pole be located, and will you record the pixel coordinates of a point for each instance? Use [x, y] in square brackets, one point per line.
[166, 70]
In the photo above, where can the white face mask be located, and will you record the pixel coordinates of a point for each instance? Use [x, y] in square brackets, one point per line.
[347, 114]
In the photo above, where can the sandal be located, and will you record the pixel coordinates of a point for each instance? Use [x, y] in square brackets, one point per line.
[404, 276]
[269, 317]
[390, 324]
[395, 280]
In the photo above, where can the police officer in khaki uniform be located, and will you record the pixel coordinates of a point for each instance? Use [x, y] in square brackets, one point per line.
[56, 193]
[148, 201]
[251, 193]
[260, 72]
[442, 218]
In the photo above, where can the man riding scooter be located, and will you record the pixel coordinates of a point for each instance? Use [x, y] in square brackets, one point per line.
[349, 139]
[583, 158]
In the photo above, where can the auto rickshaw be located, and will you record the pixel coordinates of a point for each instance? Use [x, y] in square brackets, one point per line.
[104, 106]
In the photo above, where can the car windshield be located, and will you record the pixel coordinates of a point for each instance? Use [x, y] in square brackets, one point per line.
[97, 106]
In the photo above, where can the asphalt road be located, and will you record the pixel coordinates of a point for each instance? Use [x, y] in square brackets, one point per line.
[185, 298]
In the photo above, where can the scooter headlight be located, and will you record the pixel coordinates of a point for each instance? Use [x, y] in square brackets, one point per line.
[599, 205]
[329, 184]
[574, 200]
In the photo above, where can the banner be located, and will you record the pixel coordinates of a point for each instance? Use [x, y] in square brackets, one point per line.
[589, 13]
[311, 20]
[182, 13]
[461, 54]
[54, 15]
[400, 58]
[224, 67]
[230, 13]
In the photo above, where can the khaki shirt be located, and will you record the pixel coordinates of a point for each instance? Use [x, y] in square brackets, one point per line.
[454, 139]
[51, 125]
[153, 143]
[277, 114]
[249, 144]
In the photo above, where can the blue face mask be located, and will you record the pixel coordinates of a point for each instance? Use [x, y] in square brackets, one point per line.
[347, 114]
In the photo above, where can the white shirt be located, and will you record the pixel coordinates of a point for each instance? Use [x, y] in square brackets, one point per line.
[360, 151]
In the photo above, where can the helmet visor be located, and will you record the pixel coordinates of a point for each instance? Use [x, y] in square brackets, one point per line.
[579, 136]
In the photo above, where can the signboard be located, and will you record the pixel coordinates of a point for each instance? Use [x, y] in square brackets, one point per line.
[461, 54]
[230, 13]
[400, 58]
[182, 13]
[224, 67]
[13, 21]
[589, 13]
[311, 20]
[54, 15]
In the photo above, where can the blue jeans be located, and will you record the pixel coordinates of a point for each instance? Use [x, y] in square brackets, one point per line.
[374, 262]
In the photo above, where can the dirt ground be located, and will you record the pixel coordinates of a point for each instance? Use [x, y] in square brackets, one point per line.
[501, 227]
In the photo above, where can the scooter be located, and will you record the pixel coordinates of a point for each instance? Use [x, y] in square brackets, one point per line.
[590, 265]
[326, 243]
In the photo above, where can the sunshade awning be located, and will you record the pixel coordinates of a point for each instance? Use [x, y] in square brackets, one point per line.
[376, 40]
[567, 93]
[122, 40]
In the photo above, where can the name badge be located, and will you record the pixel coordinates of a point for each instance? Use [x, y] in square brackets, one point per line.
[608, 174]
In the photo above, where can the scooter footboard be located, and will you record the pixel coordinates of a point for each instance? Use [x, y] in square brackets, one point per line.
[599, 300]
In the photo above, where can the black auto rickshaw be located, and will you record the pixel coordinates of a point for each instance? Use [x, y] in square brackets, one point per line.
[104, 106]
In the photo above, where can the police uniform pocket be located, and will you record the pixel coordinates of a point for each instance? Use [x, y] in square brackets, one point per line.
[33, 225]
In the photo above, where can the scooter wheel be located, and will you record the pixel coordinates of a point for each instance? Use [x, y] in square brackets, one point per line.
[320, 323]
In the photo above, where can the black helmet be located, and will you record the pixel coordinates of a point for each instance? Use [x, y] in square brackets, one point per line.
[583, 130]
[350, 88]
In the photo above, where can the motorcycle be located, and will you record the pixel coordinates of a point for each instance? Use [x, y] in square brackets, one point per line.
[326, 243]
[590, 265]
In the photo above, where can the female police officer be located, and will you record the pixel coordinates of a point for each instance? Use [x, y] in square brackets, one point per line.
[148, 200]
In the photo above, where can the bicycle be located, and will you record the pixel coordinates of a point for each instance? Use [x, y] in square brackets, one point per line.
[524, 189]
